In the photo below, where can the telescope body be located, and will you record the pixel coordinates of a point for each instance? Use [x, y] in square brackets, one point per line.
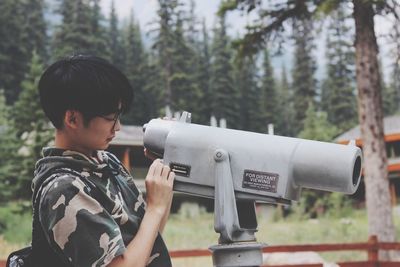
[266, 168]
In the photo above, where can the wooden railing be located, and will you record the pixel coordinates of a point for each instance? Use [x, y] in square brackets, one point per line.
[372, 248]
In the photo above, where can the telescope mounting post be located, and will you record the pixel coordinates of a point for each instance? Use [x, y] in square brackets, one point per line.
[235, 221]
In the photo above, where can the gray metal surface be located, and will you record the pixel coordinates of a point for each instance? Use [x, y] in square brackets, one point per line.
[226, 214]
[237, 254]
[263, 167]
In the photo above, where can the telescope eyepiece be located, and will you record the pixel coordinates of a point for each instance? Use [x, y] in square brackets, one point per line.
[357, 171]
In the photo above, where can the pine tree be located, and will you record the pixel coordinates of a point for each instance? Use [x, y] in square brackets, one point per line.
[3, 111]
[338, 98]
[115, 47]
[9, 168]
[389, 99]
[35, 30]
[250, 104]
[27, 112]
[13, 50]
[98, 31]
[6, 152]
[285, 104]
[186, 94]
[136, 69]
[269, 97]
[164, 43]
[154, 87]
[74, 35]
[204, 76]
[29, 131]
[304, 83]
[192, 33]
[388, 94]
[225, 95]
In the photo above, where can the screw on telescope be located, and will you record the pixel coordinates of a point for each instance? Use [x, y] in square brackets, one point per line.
[220, 155]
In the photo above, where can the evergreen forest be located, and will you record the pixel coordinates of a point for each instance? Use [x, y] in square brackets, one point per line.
[179, 65]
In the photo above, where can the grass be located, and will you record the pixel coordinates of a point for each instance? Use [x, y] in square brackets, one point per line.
[186, 232]
[191, 230]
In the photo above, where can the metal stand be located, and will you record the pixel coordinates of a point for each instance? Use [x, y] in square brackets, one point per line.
[236, 222]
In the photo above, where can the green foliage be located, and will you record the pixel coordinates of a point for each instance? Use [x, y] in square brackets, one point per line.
[227, 5]
[136, 68]
[317, 127]
[4, 109]
[27, 133]
[225, 104]
[329, 6]
[338, 98]
[304, 82]
[319, 204]
[178, 60]
[204, 77]
[16, 222]
[80, 30]
[185, 91]
[251, 104]
[23, 30]
[115, 45]
[270, 105]
[35, 36]
[9, 168]
[27, 113]
[164, 45]
[285, 106]
[390, 99]
[98, 30]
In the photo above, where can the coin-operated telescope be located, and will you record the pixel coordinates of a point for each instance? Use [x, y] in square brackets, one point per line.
[237, 168]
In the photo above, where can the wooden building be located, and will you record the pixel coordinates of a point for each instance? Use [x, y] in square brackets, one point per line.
[392, 140]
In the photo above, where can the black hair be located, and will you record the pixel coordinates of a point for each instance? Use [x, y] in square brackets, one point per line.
[88, 84]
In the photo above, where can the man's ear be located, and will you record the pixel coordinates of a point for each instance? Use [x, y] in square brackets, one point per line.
[71, 119]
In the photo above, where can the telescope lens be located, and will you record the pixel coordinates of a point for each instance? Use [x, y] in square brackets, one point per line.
[357, 171]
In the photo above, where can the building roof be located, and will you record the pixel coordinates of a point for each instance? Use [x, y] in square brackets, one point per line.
[129, 135]
[391, 126]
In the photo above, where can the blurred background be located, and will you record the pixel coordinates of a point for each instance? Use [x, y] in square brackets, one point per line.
[190, 55]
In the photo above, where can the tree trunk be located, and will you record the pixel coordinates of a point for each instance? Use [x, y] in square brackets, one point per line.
[380, 220]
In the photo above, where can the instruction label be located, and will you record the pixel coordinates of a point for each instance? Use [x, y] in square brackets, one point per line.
[180, 169]
[262, 181]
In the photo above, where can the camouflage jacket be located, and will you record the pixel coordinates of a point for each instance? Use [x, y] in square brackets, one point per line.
[90, 225]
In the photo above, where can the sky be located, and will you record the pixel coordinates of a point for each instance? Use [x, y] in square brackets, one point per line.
[145, 13]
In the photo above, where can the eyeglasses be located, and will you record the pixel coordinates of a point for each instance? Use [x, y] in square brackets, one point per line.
[114, 119]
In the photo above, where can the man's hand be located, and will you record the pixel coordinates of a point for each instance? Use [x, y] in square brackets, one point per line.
[159, 183]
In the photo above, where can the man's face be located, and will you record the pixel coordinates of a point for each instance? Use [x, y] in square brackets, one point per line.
[100, 131]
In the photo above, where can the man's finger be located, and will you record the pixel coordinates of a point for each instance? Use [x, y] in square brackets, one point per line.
[152, 168]
[158, 167]
[165, 171]
[171, 178]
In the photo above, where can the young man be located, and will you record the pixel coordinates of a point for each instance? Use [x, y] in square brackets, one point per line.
[90, 211]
